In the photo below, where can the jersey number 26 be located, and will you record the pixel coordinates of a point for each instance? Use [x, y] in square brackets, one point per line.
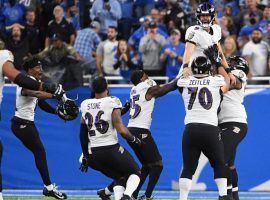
[101, 125]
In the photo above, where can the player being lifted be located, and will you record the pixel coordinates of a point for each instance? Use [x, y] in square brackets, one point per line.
[143, 95]
[101, 120]
[202, 36]
[8, 69]
[202, 95]
[233, 120]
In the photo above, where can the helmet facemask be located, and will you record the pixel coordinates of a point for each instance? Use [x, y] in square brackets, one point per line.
[205, 9]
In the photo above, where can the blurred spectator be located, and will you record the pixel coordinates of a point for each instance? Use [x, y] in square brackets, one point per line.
[248, 29]
[31, 4]
[256, 53]
[86, 44]
[32, 31]
[107, 12]
[143, 7]
[136, 37]
[175, 16]
[229, 47]
[84, 8]
[61, 26]
[2, 44]
[125, 23]
[265, 21]
[72, 15]
[61, 63]
[11, 13]
[227, 27]
[105, 54]
[172, 54]
[243, 18]
[151, 46]
[267, 37]
[124, 60]
[18, 45]
[58, 50]
[241, 42]
[155, 15]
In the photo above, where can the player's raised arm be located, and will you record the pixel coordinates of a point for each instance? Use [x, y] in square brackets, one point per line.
[160, 90]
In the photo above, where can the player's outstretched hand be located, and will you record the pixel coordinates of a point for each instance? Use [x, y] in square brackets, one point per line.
[59, 92]
[84, 165]
[212, 53]
[125, 108]
[186, 72]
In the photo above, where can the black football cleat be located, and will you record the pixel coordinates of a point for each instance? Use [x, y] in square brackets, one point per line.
[54, 193]
[126, 197]
[224, 197]
[102, 195]
[144, 198]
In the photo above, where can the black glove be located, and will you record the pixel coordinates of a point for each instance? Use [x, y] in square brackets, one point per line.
[136, 141]
[50, 87]
[125, 108]
[84, 165]
[213, 54]
[59, 92]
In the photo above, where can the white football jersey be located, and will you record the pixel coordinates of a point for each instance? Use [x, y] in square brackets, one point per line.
[202, 39]
[141, 109]
[97, 114]
[25, 105]
[202, 98]
[5, 56]
[232, 108]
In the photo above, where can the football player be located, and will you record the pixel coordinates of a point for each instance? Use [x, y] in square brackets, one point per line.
[202, 95]
[23, 126]
[8, 69]
[100, 122]
[142, 97]
[202, 36]
[233, 120]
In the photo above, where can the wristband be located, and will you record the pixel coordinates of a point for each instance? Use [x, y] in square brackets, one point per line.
[185, 65]
[228, 70]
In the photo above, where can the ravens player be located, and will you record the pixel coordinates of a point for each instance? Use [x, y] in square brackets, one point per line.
[100, 122]
[202, 95]
[142, 96]
[202, 36]
[233, 119]
[23, 126]
[8, 69]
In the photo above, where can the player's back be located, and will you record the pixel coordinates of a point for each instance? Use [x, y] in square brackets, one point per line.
[141, 109]
[97, 114]
[232, 108]
[202, 97]
[5, 55]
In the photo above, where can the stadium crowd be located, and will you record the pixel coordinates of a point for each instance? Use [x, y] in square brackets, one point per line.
[115, 37]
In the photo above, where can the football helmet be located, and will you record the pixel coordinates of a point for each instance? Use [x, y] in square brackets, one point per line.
[205, 9]
[237, 62]
[67, 109]
[201, 66]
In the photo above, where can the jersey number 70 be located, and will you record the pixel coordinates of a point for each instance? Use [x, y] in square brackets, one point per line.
[204, 95]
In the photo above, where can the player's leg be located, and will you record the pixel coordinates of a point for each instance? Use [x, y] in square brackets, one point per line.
[106, 192]
[214, 151]
[1, 154]
[190, 153]
[232, 135]
[27, 133]
[151, 160]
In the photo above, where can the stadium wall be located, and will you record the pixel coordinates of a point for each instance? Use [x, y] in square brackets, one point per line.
[61, 141]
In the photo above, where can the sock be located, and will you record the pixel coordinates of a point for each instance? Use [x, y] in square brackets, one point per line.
[49, 187]
[144, 174]
[107, 191]
[153, 179]
[118, 192]
[222, 186]
[132, 184]
[235, 184]
[184, 187]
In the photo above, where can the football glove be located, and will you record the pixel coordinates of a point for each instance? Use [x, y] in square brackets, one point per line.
[84, 165]
[213, 54]
[125, 108]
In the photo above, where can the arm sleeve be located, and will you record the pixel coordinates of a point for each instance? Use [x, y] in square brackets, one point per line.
[46, 107]
[26, 82]
[84, 139]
